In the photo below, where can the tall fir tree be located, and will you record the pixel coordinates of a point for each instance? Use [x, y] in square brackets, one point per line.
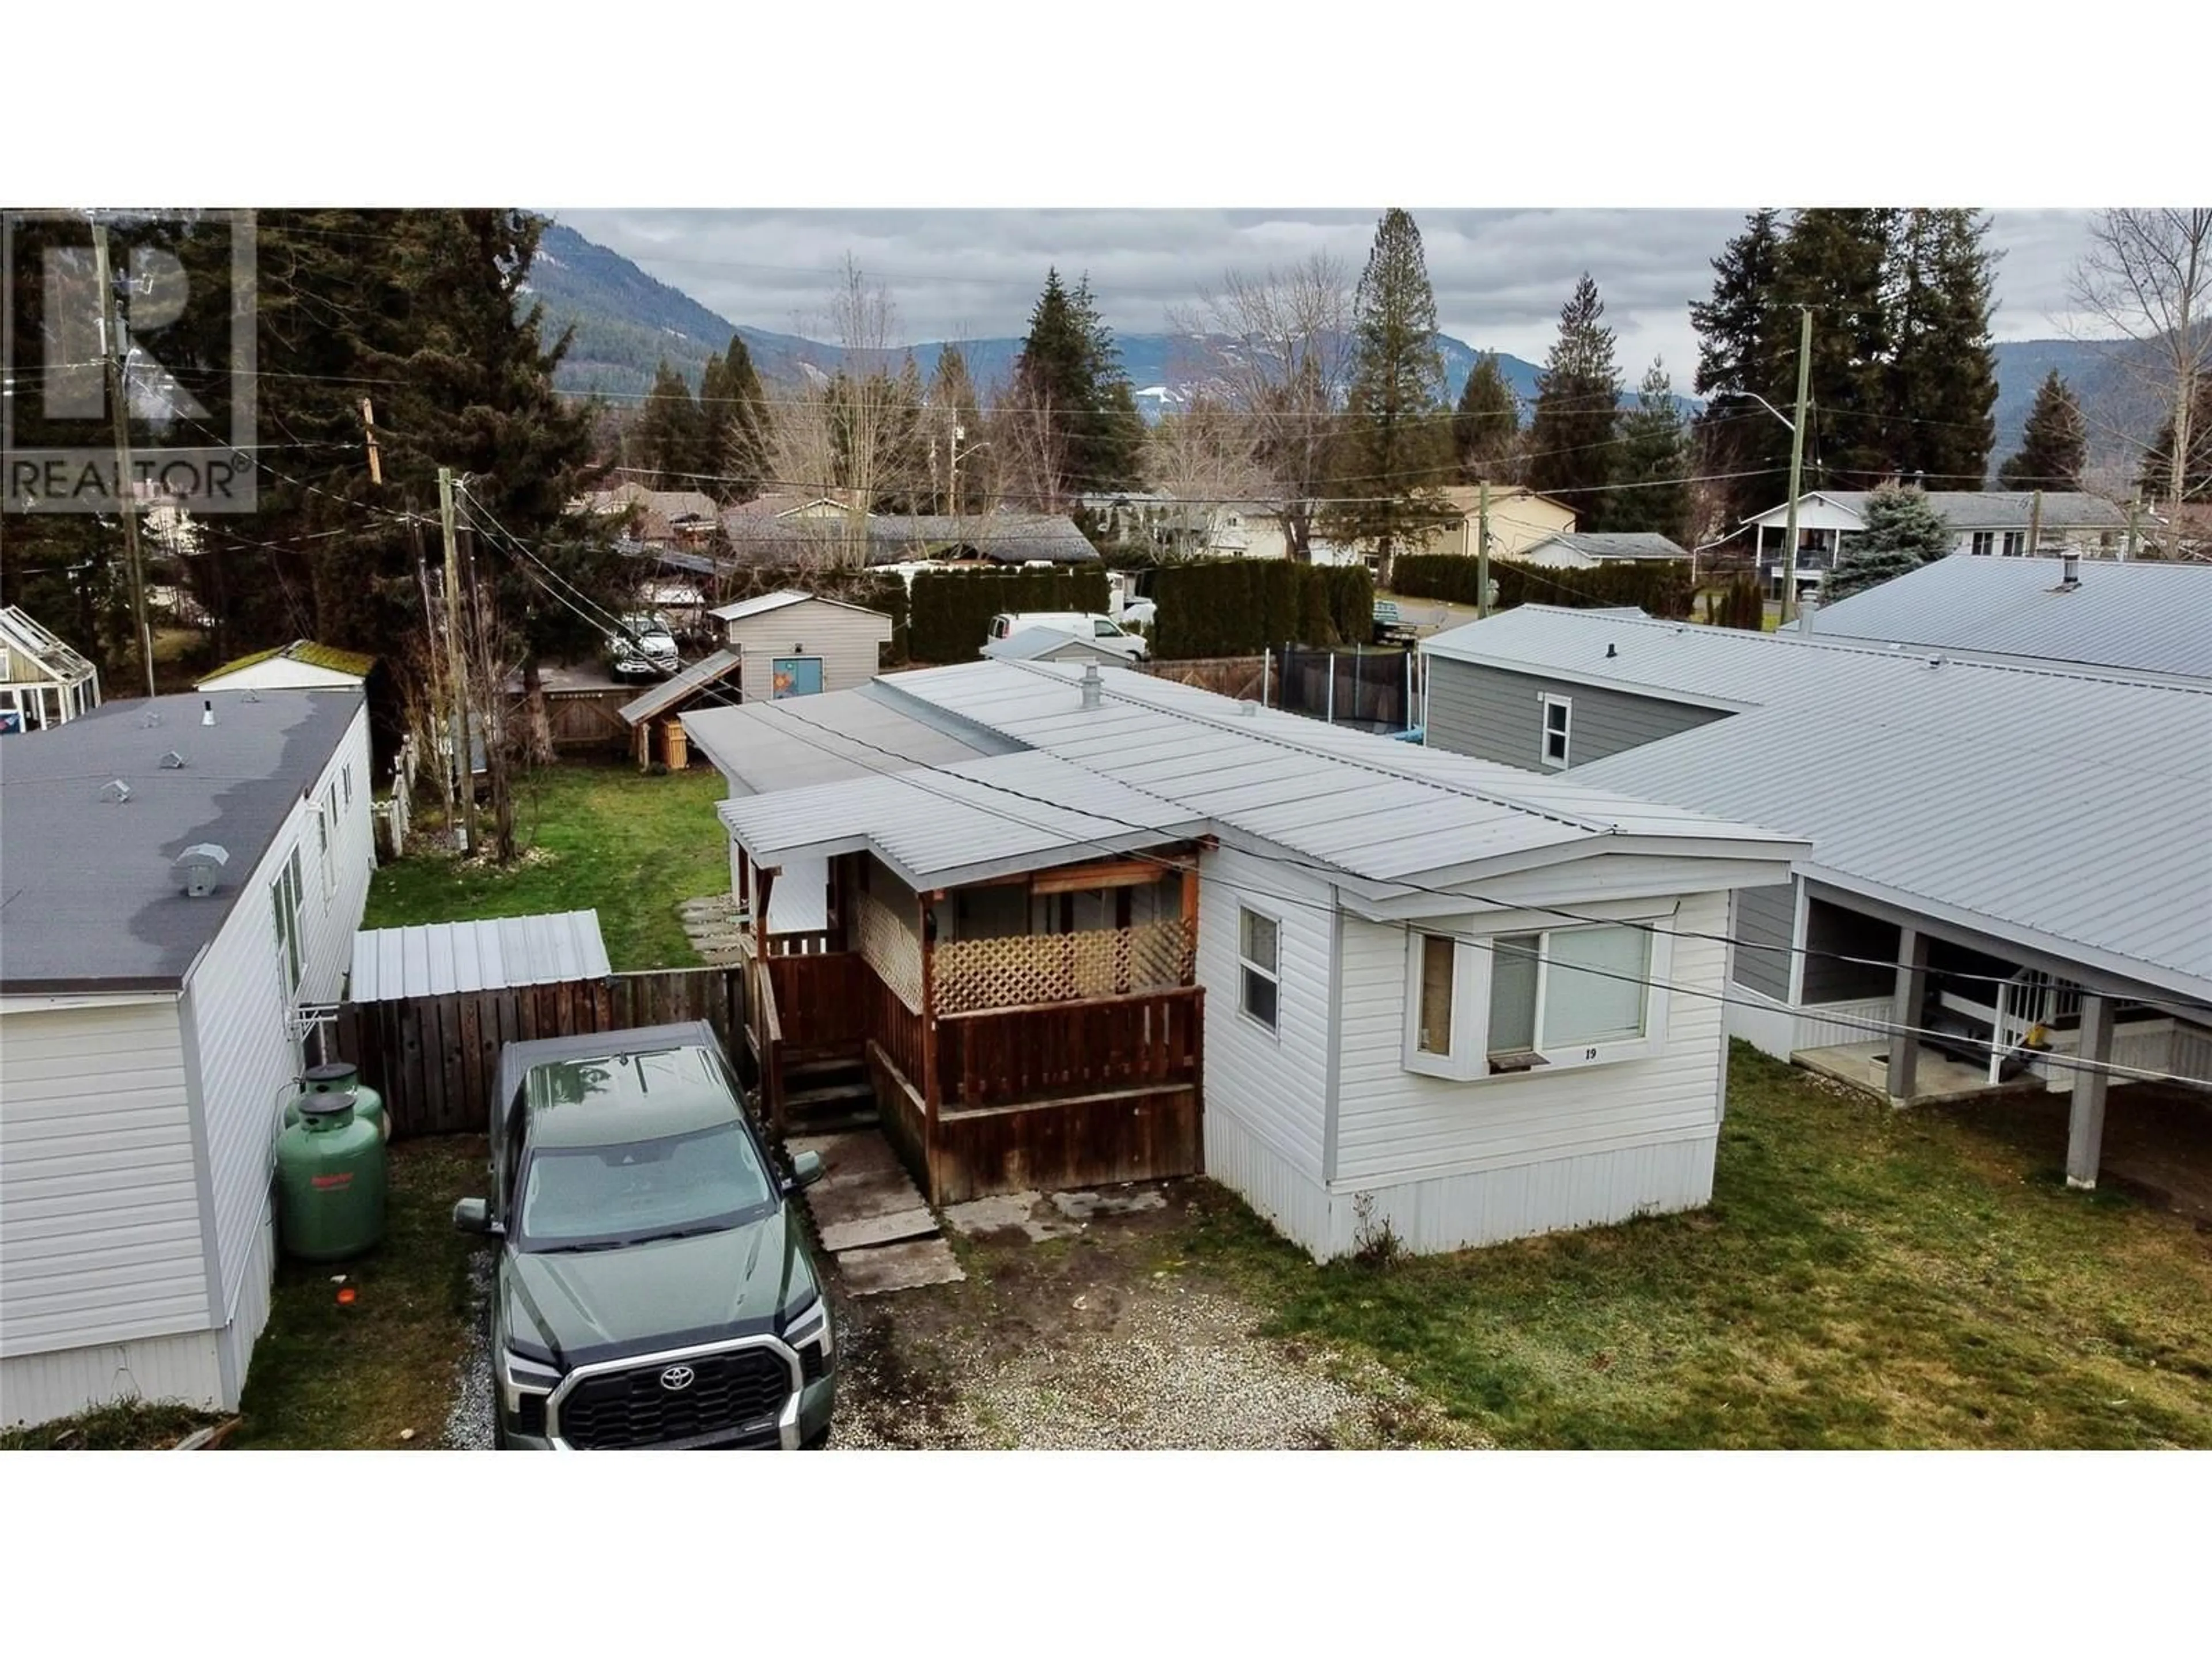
[1486, 425]
[1068, 381]
[672, 434]
[1838, 261]
[1396, 447]
[1651, 488]
[734, 423]
[2055, 444]
[1942, 364]
[1747, 343]
[955, 422]
[1571, 438]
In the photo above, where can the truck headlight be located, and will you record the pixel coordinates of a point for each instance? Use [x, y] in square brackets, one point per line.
[810, 1329]
[519, 1377]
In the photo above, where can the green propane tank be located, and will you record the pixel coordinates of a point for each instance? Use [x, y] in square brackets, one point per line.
[330, 1182]
[340, 1077]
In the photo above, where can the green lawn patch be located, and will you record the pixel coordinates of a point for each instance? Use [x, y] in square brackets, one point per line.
[603, 837]
[328, 1374]
[1863, 1277]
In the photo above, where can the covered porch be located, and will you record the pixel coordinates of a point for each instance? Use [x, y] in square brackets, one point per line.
[1013, 984]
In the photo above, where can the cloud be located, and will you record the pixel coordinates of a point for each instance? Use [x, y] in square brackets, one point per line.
[1500, 276]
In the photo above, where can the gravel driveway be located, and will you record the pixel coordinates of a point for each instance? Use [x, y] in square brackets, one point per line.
[469, 1424]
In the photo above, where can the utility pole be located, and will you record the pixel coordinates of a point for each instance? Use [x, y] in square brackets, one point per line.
[1796, 463]
[1482, 552]
[368, 425]
[126, 490]
[456, 716]
[2035, 524]
[2134, 507]
[952, 473]
[430, 635]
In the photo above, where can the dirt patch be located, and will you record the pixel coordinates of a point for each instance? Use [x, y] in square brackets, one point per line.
[1104, 1340]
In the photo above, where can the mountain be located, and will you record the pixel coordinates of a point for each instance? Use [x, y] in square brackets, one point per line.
[2092, 367]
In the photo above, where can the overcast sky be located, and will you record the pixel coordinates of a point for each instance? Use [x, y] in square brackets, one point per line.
[1500, 276]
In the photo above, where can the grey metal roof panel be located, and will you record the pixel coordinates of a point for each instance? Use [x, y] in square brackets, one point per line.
[762, 747]
[87, 899]
[2142, 616]
[658, 699]
[439, 959]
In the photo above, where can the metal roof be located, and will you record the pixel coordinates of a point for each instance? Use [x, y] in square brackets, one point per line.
[1362, 804]
[761, 605]
[441, 957]
[947, 826]
[1986, 509]
[658, 699]
[29, 639]
[2144, 615]
[1034, 643]
[2062, 809]
[796, 741]
[88, 900]
[1612, 544]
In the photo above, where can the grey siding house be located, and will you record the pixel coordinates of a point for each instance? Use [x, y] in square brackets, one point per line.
[1987, 862]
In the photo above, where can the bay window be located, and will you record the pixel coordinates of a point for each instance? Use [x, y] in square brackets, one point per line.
[1515, 1002]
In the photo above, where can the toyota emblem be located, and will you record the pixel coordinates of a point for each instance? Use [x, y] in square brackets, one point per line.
[676, 1378]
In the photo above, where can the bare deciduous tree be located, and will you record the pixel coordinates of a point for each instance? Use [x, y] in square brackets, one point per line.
[838, 431]
[2147, 276]
[1278, 347]
[1207, 455]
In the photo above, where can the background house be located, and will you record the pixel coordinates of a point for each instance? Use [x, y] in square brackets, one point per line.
[1049, 645]
[149, 1038]
[306, 665]
[1587, 550]
[1519, 520]
[793, 644]
[42, 681]
[1451, 997]
[819, 533]
[1989, 522]
[1990, 839]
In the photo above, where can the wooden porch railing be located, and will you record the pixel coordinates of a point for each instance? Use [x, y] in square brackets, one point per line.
[1000, 1055]
[895, 1027]
[821, 999]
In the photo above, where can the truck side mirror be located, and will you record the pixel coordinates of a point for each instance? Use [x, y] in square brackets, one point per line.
[805, 1169]
[473, 1215]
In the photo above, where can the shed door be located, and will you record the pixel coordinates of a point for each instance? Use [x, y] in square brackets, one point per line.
[795, 676]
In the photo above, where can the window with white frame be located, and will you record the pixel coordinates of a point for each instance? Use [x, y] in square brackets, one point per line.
[1509, 1003]
[284, 900]
[1259, 950]
[1558, 723]
[346, 773]
[2015, 544]
[1984, 542]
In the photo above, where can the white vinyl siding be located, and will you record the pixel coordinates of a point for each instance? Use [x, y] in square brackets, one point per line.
[845, 640]
[1273, 1085]
[99, 1218]
[1396, 1125]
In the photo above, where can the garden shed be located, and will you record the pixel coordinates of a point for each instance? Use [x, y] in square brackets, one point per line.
[797, 645]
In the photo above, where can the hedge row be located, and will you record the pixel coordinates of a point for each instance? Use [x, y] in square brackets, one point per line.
[1235, 607]
[1664, 589]
[951, 614]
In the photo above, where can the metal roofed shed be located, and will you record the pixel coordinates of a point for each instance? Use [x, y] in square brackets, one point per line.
[2139, 616]
[440, 958]
[1049, 645]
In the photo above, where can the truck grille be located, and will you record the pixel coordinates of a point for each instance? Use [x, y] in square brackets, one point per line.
[636, 1409]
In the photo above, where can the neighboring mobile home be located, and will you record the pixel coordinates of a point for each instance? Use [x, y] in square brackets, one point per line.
[1984, 522]
[1083, 925]
[2007, 844]
[156, 996]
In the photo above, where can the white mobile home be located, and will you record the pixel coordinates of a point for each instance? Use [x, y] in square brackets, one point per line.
[149, 1034]
[1467, 1001]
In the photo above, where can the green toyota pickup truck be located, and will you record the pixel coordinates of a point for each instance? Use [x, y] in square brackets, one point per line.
[654, 1287]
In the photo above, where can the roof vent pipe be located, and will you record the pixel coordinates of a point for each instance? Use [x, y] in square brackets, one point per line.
[207, 711]
[198, 868]
[1092, 686]
[1612, 650]
[2070, 568]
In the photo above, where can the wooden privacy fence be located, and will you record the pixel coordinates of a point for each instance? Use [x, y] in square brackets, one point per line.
[433, 1059]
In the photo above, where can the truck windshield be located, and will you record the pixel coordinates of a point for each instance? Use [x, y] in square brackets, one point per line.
[586, 1198]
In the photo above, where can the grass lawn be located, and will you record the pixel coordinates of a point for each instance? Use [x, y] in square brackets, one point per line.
[603, 837]
[1863, 1277]
[326, 1374]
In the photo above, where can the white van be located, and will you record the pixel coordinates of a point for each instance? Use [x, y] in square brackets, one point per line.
[1102, 631]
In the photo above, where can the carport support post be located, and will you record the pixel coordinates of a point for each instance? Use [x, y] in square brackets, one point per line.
[2085, 1130]
[1905, 1014]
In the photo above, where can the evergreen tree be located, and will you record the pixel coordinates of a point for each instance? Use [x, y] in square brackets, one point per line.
[1571, 438]
[1486, 424]
[2055, 444]
[1902, 533]
[1396, 451]
[1652, 488]
[1942, 371]
[734, 418]
[955, 422]
[1746, 344]
[1837, 260]
[903, 473]
[1069, 382]
[671, 433]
